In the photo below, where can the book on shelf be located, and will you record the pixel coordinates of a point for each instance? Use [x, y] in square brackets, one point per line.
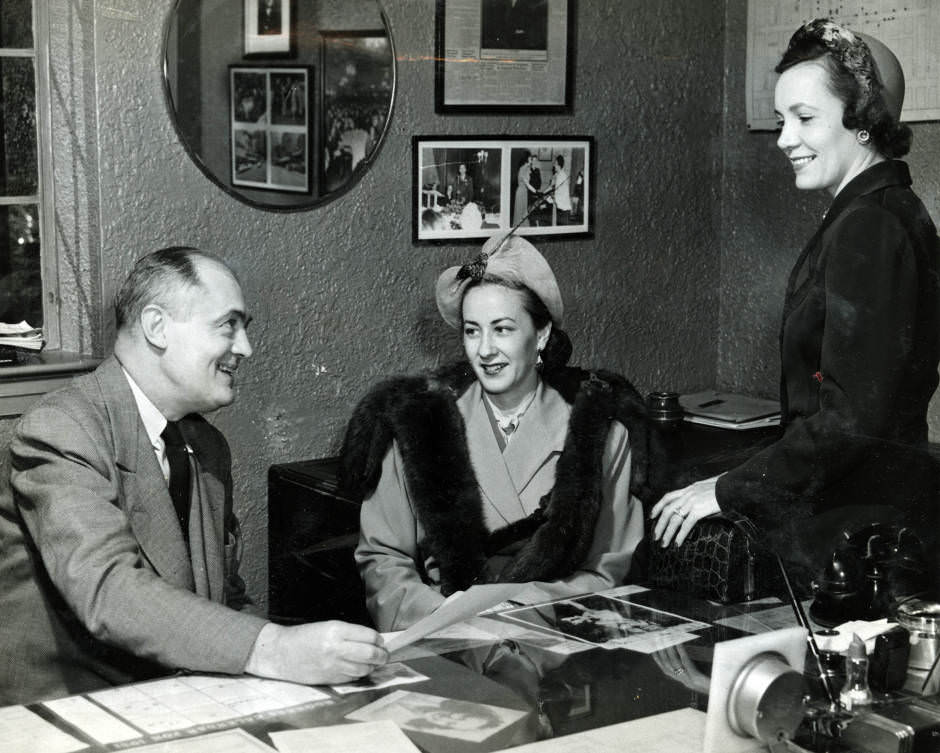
[727, 410]
[20, 336]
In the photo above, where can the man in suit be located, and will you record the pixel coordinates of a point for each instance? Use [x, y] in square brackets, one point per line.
[110, 572]
[269, 17]
[514, 25]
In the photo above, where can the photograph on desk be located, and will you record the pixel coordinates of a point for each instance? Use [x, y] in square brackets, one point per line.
[609, 623]
[439, 716]
[471, 189]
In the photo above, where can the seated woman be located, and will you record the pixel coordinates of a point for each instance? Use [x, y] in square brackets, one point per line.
[860, 339]
[510, 467]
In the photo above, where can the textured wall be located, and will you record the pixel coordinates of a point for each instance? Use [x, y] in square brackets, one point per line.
[340, 295]
[766, 221]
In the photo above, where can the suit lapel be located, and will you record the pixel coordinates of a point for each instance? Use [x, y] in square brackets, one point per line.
[147, 500]
[501, 502]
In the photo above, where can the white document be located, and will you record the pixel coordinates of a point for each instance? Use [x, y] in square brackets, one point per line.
[188, 701]
[364, 737]
[679, 731]
[765, 620]
[470, 603]
[385, 676]
[22, 731]
[229, 741]
[91, 719]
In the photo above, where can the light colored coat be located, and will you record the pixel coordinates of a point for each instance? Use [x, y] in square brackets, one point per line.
[401, 580]
[96, 587]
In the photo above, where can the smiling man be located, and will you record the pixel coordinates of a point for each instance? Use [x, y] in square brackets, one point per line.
[118, 544]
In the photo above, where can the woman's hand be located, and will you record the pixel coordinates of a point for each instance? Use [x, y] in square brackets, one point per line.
[675, 663]
[681, 509]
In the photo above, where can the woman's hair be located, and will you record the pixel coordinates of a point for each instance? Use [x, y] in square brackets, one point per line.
[862, 110]
[558, 349]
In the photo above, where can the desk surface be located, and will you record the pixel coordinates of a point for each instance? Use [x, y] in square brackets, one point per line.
[604, 668]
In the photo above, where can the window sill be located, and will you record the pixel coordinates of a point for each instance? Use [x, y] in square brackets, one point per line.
[36, 374]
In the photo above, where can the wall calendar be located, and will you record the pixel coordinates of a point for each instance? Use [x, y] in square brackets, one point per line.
[910, 28]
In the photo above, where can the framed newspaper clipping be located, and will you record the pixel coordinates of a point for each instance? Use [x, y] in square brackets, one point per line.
[504, 56]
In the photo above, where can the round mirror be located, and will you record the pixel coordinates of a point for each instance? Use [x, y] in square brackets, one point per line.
[282, 103]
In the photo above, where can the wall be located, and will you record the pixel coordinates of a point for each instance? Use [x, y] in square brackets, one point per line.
[340, 295]
[765, 223]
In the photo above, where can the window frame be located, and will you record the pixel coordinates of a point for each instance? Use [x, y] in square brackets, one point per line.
[52, 367]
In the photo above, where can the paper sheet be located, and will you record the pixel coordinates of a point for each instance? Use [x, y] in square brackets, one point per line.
[765, 620]
[386, 676]
[22, 731]
[363, 737]
[181, 702]
[229, 741]
[678, 731]
[91, 719]
[470, 603]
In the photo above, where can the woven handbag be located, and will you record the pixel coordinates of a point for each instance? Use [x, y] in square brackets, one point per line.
[718, 561]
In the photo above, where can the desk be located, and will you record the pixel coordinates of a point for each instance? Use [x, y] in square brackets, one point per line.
[557, 693]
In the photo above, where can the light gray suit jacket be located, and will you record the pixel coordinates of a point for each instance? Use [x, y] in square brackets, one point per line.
[96, 587]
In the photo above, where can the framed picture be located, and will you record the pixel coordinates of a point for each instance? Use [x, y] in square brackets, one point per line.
[269, 28]
[504, 55]
[358, 82]
[470, 189]
[270, 117]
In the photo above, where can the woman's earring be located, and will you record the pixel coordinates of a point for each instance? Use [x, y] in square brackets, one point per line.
[863, 137]
[538, 358]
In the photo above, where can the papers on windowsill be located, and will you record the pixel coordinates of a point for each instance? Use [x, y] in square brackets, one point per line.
[20, 335]
[725, 410]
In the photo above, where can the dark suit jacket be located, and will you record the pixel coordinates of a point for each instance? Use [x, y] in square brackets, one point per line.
[859, 349]
[96, 587]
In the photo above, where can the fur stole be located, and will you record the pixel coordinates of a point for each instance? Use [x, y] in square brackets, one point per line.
[420, 414]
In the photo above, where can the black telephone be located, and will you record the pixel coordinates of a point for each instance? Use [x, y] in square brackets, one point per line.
[868, 574]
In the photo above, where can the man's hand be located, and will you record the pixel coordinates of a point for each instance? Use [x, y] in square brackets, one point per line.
[319, 653]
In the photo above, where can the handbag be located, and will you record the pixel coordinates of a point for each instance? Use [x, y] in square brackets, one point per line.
[718, 561]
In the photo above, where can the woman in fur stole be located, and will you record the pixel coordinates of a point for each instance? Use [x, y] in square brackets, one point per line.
[509, 467]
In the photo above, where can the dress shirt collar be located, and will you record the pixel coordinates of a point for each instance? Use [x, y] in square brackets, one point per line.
[154, 420]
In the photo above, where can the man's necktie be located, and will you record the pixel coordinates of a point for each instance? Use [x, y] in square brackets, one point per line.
[178, 458]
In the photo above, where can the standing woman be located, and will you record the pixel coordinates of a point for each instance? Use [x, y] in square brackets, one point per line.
[509, 467]
[859, 341]
[521, 198]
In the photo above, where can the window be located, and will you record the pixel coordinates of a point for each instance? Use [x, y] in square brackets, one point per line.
[21, 200]
[29, 267]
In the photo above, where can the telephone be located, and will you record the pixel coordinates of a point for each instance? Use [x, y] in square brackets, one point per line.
[868, 574]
